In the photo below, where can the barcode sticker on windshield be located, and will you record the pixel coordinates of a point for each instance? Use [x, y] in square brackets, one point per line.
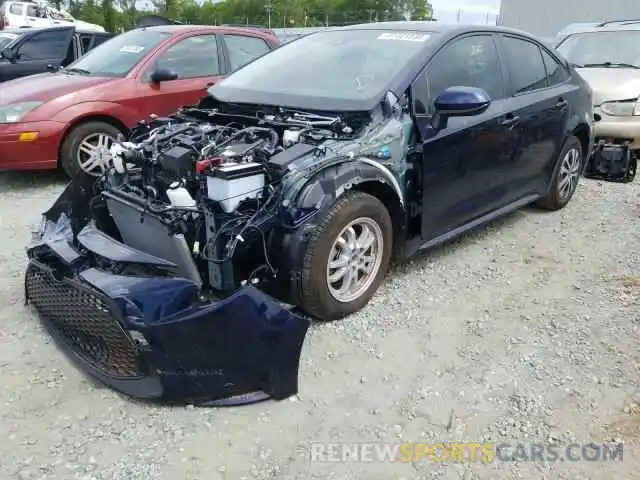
[131, 49]
[404, 37]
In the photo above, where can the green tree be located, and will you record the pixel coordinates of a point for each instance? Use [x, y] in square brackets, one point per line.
[122, 14]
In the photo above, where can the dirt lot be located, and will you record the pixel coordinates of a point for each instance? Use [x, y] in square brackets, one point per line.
[525, 331]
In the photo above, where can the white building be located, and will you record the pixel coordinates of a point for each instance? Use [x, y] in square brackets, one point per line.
[466, 14]
[547, 17]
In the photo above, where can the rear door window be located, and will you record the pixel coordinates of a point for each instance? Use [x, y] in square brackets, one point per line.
[556, 72]
[46, 45]
[525, 64]
[243, 49]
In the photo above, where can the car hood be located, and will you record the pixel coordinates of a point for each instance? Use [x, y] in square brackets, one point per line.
[611, 84]
[45, 87]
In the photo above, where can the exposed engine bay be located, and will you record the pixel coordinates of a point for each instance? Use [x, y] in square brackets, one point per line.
[176, 274]
[206, 187]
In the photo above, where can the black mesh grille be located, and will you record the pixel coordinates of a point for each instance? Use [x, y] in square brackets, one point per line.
[85, 321]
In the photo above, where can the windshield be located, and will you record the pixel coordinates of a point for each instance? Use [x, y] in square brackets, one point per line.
[339, 65]
[118, 55]
[6, 39]
[606, 49]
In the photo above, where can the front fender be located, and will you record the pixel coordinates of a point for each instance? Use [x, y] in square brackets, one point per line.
[313, 196]
[324, 187]
[124, 115]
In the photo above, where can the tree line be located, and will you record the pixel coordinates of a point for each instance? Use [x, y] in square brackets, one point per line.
[119, 15]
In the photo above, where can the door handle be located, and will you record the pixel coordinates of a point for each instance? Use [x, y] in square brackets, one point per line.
[510, 121]
[562, 103]
[209, 84]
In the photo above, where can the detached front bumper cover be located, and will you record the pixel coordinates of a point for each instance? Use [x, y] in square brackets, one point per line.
[152, 337]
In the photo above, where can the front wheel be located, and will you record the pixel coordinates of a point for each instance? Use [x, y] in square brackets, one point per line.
[565, 177]
[87, 148]
[347, 257]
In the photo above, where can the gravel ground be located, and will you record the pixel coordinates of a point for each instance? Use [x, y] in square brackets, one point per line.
[524, 331]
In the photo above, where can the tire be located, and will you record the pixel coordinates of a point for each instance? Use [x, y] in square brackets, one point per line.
[319, 296]
[82, 135]
[568, 169]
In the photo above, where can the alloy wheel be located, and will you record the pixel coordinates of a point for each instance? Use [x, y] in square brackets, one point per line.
[355, 259]
[93, 154]
[569, 173]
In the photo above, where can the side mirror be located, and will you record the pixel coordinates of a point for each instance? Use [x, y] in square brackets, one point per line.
[459, 102]
[163, 75]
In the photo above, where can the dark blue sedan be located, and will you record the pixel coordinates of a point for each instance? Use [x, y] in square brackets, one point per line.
[453, 127]
[297, 180]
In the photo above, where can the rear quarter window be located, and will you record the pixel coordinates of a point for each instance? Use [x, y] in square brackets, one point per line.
[16, 8]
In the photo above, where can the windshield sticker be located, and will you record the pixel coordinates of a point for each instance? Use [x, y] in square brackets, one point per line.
[131, 49]
[404, 37]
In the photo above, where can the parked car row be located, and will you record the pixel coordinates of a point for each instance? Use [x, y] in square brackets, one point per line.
[71, 116]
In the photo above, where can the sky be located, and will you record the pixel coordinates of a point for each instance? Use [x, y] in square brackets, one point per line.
[466, 11]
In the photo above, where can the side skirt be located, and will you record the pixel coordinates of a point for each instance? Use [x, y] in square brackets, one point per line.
[416, 244]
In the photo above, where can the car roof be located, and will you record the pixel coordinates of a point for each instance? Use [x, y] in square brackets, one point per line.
[172, 29]
[432, 26]
[78, 29]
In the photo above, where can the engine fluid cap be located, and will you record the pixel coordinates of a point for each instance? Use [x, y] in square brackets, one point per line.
[384, 152]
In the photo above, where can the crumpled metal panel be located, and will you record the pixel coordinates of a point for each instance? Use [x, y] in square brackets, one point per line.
[236, 350]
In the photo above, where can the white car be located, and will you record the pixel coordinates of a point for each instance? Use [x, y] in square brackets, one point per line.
[31, 14]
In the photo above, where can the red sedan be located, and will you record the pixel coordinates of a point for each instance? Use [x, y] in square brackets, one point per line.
[70, 118]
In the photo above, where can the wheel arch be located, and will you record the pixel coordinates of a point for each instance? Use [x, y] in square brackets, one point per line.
[325, 187]
[582, 132]
[109, 119]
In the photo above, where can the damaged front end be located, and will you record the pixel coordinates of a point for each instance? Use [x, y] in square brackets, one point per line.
[126, 318]
[167, 277]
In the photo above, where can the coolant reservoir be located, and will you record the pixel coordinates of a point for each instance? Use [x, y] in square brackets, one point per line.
[180, 196]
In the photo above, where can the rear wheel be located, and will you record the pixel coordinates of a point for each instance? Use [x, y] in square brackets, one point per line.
[346, 258]
[566, 176]
[87, 148]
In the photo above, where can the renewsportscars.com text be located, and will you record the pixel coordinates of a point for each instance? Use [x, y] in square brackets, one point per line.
[465, 452]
